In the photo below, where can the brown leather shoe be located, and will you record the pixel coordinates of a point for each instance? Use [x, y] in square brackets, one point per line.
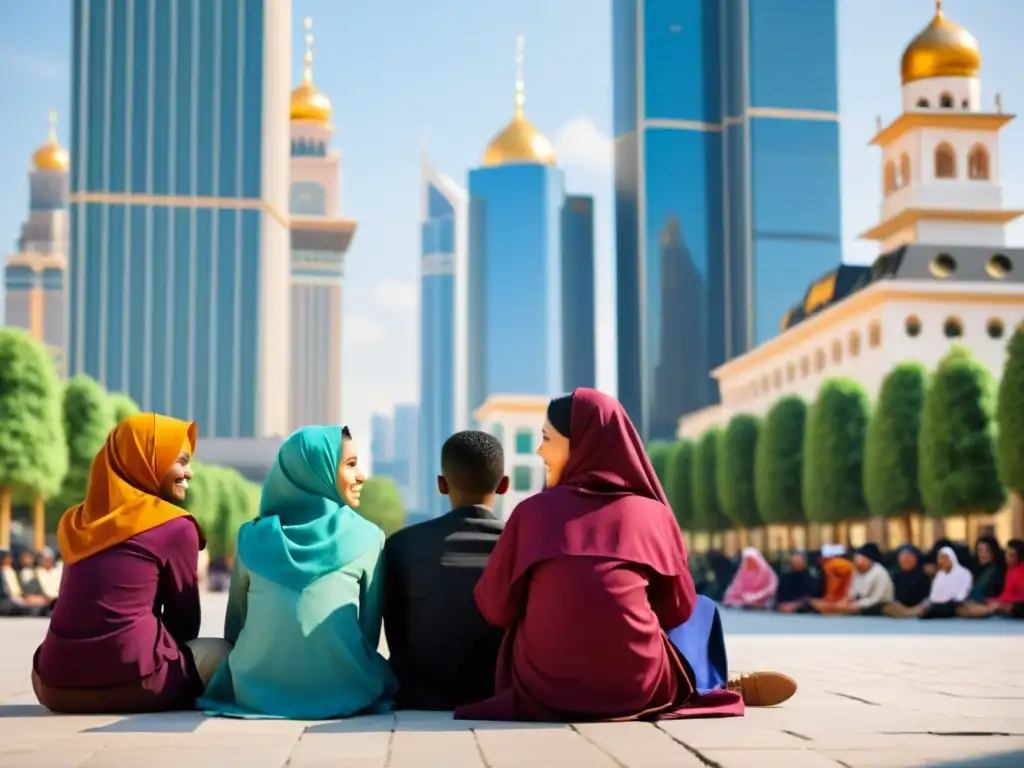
[763, 689]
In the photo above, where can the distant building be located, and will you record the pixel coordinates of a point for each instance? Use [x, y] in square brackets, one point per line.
[516, 421]
[34, 276]
[579, 348]
[178, 261]
[320, 239]
[519, 326]
[394, 444]
[443, 322]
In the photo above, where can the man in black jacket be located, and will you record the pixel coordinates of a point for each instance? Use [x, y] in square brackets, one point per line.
[441, 649]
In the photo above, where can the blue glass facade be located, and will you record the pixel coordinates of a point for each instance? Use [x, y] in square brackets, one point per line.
[167, 220]
[579, 360]
[437, 343]
[726, 188]
[515, 281]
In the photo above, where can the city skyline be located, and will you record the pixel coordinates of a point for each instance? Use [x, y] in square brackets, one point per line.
[431, 93]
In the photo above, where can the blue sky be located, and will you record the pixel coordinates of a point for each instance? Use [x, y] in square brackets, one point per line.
[402, 73]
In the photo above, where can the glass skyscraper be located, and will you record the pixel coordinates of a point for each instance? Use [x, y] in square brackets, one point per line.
[579, 351]
[442, 327]
[727, 185]
[179, 197]
[514, 277]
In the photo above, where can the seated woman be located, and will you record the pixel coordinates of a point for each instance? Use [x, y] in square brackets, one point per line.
[13, 600]
[754, 585]
[950, 587]
[797, 585]
[48, 574]
[1010, 601]
[30, 578]
[989, 575]
[910, 583]
[123, 638]
[872, 587]
[837, 572]
[586, 579]
[304, 605]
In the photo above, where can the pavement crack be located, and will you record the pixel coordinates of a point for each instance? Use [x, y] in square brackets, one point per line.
[798, 735]
[598, 747]
[851, 697]
[480, 749]
[949, 733]
[693, 751]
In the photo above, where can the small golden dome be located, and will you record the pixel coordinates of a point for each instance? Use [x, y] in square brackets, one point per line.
[519, 142]
[308, 103]
[51, 156]
[942, 49]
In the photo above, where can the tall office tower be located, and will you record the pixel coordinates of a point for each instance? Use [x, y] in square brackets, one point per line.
[579, 348]
[320, 238]
[34, 276]
[443, 243]
[514, 295]
[394, 443]
[179, 257]
[725, 122]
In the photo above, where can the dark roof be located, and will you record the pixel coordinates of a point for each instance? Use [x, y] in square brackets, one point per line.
[938, 263]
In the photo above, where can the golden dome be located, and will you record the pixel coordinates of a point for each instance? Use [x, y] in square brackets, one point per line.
[519, 142]
[942, 49]
[308, 103]
[51, 156]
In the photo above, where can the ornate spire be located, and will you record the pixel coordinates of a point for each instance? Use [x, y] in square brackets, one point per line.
[307, 69]
[938, 7]
[53, 127]
[520, 85]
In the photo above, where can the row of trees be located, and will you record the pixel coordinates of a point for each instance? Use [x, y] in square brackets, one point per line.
[942, 443]
[49, 435]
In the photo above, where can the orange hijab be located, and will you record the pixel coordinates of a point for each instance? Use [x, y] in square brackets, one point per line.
[838, 578]
[124, 485]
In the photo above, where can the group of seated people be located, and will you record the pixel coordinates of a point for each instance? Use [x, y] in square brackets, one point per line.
[581, 607]
[29, 582]
[948, 582]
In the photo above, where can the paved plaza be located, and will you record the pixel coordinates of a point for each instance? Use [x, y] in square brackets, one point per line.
[874, 693]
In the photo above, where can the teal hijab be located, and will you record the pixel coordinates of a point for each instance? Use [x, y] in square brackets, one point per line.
[304, 530]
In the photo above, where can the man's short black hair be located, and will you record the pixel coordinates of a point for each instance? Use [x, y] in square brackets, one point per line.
[473, 462]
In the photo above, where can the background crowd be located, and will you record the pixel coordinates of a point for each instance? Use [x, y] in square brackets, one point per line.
[950, 580]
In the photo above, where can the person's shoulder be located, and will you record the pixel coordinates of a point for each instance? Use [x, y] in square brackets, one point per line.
[180, 530]
[412, 536]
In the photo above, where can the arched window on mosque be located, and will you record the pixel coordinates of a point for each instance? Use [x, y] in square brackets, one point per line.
[890, 178]
[977, 163]
[945, 162]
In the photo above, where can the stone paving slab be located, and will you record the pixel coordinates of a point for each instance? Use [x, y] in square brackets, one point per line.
[948, 696]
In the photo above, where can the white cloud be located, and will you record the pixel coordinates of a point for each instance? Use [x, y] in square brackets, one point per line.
[361, 330]
[396, 294]
[581, 144]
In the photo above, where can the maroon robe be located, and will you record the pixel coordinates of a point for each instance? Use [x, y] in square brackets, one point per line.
[586, 579]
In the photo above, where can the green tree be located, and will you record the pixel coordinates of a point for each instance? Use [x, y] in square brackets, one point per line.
[658, 452]
[890, 450]
[88, 418]
[734, 480]
[779, 462]
[33, 455]
[707, 512]
[680, 483]
[381, 504]
[833, 485]
[957, 459]
[203, 497]
[1010, 418]
[123, 406]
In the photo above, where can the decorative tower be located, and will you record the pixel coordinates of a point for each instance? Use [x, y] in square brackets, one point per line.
[940, 174]
[320, 238]
[34, 277]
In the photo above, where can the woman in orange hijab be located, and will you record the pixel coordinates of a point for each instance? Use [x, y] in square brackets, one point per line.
[123, 637]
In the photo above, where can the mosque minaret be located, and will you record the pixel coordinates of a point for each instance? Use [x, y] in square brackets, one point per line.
[320, 238]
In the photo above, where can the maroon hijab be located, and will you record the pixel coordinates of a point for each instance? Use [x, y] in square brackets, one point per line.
[608, 503]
